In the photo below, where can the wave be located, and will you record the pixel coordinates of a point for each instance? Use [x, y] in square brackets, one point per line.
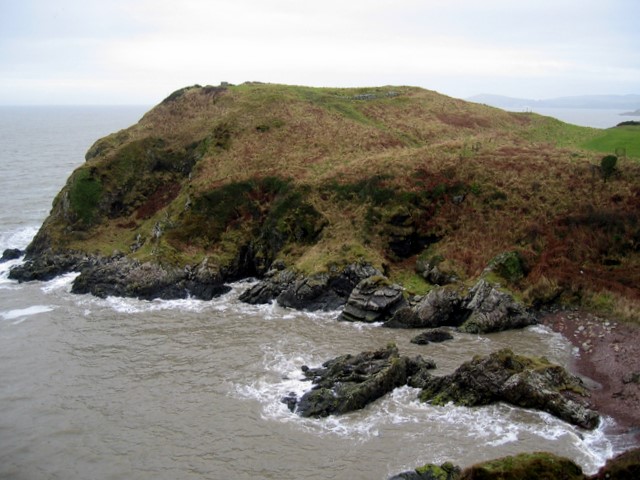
[499, 425]
[17, 238]
[21, 314]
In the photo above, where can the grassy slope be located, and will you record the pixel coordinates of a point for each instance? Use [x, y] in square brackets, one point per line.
[624, 140]
[208, 170]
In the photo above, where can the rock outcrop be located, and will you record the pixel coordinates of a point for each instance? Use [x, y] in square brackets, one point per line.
[522, 381]
[321, 291]
[122, 276]
[374, 299]
[350, 382]
[483, 309]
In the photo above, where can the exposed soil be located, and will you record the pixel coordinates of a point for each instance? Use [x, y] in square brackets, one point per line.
[609, 355]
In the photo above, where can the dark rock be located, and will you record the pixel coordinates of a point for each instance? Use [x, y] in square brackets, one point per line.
[525, 466]
[322, 291]
[350, 382]
[521, 381]
[625, 466]
[483, 309]
[435, 336]
[446, 471]
[493, 310]
[440, 307]
[48, 266]
[290, 400]
[311, 293]
[11, 254]
[268, 289]
[374, 299]
[124, 277]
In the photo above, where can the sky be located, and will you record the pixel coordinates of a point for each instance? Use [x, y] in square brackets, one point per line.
[98, 52]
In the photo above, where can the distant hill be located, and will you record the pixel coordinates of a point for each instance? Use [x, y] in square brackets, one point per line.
[622, 102]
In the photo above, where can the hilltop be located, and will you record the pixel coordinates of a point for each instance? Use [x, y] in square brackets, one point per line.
[220, 183]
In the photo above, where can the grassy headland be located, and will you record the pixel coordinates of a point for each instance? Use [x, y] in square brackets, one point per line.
[245, 175]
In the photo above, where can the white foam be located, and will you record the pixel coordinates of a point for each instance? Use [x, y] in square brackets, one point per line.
[18, 238]
[62, 282]
[25, 312]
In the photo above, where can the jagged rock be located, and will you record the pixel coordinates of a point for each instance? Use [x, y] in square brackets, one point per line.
[440, 307]
[265, 291]
[48, 266]
[446, 471]
[493, 310]
[483, 309]
[350, 382]
[121, 276]
[434, 336]
[11, 254]
[374, 299]
[521, 381]
[322, 291]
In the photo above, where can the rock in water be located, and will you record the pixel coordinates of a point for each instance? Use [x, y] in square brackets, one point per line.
[11, 254]
[432, 336]
[350, 382]
[446, 471]
[526, 466]
[374, 299]
[493, 310]
[519, 380]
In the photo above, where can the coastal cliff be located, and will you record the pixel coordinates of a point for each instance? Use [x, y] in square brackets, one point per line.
[305, 186]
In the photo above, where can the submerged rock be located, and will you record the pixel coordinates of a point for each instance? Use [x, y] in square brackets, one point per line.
[432, 336]
[446, 471]
[350, 382]
[374, 299]
[519, 380]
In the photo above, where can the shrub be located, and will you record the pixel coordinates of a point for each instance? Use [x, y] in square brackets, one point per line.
[608, 166]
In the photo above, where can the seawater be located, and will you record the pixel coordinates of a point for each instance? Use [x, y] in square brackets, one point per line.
[121, 388]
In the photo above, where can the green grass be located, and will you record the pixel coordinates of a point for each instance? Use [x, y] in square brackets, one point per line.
[613, 139]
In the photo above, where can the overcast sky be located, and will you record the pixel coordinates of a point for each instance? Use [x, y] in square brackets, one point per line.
[139, 51]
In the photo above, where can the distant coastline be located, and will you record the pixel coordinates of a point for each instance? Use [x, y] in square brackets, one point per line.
[613, 102]
[635, 113]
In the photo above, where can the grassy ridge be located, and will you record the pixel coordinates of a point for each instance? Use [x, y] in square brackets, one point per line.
[622, 140]
[321, 177]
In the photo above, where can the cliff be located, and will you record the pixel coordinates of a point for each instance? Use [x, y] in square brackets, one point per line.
[220, 183]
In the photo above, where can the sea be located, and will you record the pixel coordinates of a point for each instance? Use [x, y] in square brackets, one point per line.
[120, 388]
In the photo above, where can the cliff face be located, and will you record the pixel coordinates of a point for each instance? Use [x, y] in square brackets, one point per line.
[227, 180]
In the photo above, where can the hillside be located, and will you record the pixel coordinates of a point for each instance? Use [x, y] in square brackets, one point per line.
[231, 179]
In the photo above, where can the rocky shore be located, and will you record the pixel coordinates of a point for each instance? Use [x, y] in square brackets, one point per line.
[608, 354]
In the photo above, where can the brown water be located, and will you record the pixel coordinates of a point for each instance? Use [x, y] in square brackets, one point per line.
[119, 388]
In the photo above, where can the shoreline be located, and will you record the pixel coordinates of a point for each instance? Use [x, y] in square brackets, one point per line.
[608, 358]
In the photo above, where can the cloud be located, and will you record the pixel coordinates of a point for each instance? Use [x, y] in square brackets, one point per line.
[145, 49]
